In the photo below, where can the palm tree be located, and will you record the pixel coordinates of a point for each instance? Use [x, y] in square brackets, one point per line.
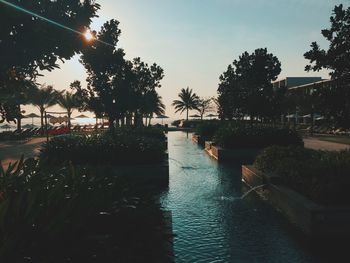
[188, 101]
[69, 102]
[153, 104]
[43, 98]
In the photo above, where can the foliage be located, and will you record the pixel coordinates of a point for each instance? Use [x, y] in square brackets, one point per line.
[14, 92]
[43, 98]
[334, 99]
[188, 101]
[245, 88]
[120, 147]
[74, 215]
[204, 106]
[176, 123]
[207, 129]
[29, 44]
[321, 176]
[116, 87]
[69, 101]
[234, 135]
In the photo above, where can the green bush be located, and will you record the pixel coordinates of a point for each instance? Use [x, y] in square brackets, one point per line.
[207, 129]
[234, 135]
[71, 215]
[322, 176]
[123, 146]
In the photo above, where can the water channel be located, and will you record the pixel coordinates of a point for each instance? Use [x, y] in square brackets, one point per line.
[210, 220]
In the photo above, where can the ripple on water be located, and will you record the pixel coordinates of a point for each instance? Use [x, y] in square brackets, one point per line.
[211, 222]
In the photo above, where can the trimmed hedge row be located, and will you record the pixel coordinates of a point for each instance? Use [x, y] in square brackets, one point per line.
[234, 135]
[322, 176]
[125, 146]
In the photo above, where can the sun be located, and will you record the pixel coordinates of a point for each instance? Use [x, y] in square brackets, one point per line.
[88, 35]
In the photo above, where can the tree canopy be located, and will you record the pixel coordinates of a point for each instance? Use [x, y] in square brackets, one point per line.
[188, 101]
[117, 87]
[30, 44]
[245, 88]
[334, 98]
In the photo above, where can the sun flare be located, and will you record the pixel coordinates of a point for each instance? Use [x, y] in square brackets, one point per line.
[88, 35]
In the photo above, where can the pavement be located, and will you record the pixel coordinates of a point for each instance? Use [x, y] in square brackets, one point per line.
[11, 151]
[316, 144]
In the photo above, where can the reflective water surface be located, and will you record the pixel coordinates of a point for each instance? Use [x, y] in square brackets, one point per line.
[212, 223]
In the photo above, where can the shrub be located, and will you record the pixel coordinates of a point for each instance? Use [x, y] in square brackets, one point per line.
[207, 129]
[123, 146]
[176, 123]
[71, 215]
[234, 135]
[324, 177]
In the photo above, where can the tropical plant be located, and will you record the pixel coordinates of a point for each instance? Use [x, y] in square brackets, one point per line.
[71, 214]
[152, 104]
[188, 101]
[69, 101]
[43, 98]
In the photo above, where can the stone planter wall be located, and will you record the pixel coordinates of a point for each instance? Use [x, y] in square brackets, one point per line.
[242, 155]
[316, 221]
[198, 139]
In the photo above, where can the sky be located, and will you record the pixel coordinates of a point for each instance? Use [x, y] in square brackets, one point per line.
[195, 40]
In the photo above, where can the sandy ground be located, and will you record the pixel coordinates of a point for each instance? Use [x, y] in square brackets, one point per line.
[11, 151]
[316, 144]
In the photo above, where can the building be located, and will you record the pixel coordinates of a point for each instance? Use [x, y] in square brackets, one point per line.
[291, 82]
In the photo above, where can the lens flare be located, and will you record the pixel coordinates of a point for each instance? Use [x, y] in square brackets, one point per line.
[88, 35]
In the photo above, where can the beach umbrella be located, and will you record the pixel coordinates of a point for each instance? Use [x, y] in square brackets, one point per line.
[162, 117]
[211, 116]
[82, 116]
[6, 127]
[195, 116]
[28, 126]
[32, 115]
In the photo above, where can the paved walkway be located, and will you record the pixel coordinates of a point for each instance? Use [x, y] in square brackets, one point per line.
[316, 144]
[11, 151]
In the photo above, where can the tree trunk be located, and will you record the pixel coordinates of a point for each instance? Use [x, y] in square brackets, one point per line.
[187, 114]
[69, 113]
[42, 111]
[111, 124]
[19, 126]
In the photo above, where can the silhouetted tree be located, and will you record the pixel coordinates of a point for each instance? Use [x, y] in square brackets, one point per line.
[204, 106]
[246, 87]
[103, 64]
[43, 98]
[152, 104]
[188, 101]
[69, 101]
[334, 99]
[116, 86]
[29, 44]
[146, 81]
